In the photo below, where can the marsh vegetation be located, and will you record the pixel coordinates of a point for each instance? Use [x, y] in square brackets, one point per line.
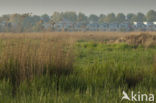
[82, 67]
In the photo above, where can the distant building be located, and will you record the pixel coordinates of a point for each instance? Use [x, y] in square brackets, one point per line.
[3, 23]
[59, 26]
[125, 26]
[149, 26]
[93, 26]
[154, 26]
[103, 27]
[80, 26]
[139, 26]
[64, 25]
[67, 25]
[46, 25]
[113, 26]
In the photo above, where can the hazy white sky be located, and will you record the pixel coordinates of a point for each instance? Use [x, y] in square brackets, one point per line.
[86, 6]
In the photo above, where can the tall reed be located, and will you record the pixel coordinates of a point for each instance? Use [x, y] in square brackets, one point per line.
[25, 56]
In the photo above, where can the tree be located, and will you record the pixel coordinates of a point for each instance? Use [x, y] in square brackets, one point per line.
[131, 17]
[17, 22]
[35, 19]
[101, 18]
[151, 16]
[140, 17]
[82, 18]
[28, 23]
[120, 17]
[5, 17]
[93, 18]
[134, 18]
[110, 18]
[45, 18]
[57, 16]
[71, 16]
[38, 26]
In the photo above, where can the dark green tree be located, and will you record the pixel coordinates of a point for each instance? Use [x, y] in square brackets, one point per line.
[131, 17]
[82, 18]
[71, 16]
[120, 17]
[141, 17]
[93, 18]
[101, 18]
[151, 16]
[110, 18]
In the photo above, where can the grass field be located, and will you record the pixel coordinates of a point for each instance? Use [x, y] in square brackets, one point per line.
[73, 68]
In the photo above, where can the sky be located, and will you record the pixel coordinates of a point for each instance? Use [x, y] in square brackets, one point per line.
[88, 7]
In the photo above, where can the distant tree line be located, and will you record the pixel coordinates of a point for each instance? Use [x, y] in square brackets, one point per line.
[34, 23]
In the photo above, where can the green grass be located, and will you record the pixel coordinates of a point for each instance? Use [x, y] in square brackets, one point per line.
[101, 73]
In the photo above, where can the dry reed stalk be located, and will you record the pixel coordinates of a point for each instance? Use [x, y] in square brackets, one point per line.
[24, 57]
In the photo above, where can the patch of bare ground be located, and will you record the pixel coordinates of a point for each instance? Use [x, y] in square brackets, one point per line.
[144, 39]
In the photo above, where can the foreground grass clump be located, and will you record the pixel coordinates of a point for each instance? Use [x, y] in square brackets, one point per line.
[25, 58]
[49, 68]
